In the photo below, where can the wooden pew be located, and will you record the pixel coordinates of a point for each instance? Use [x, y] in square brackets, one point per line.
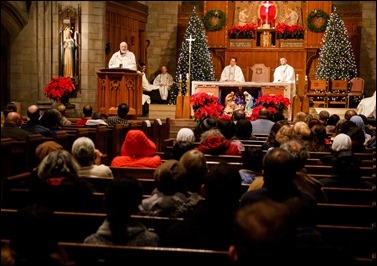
[346, 214]
[75, 226]
[89, 254]
[360, 241]
[350, 195]
[137, 172]
[366, 171]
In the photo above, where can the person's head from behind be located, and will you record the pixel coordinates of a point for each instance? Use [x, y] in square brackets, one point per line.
[222, 187]
[318, 134]
[171, 177]
[195, 163]
[300, 116]
[50, 118]
[285, 133]
[46, 147]
[349, 113]
[186, 135]
[239, 114]
[87, 110]
[342, 142]
[123, 110]
[122, 198]
[264, 113]
[35, 240]
[83, 150]
[260, 233]
[33, 112]
[62, 109]
[10, 107]
[226, 127]
[252, 159]
[324, 116]
[298, 150]
[333, 120]
[58, 164]
[244, 129]
[302, 130]
[279, 169]
[14, 119]
[347, 168]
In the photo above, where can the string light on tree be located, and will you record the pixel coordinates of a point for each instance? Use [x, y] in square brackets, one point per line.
[201, 68]
[336, 57]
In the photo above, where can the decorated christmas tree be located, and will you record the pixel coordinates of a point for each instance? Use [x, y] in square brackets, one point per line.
[336, 57]
[201, 62]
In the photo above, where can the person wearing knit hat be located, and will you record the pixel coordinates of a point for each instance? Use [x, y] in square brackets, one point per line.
[346, 166]
[169, 196]
[184, 142]
[45, 148]
[342, 142]
[137, 151]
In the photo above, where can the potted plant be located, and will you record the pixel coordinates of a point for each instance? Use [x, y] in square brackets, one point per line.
[285, 31]
[275, 104]
[59, 89]
[205, 106]
[242, 32]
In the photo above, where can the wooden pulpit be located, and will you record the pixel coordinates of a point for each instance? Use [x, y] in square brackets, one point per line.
[119, 85]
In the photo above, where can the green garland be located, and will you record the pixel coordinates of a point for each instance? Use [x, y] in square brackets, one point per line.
[317, 13]
[214, 13]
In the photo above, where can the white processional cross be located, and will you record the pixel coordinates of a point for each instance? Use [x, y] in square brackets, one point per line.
[190, 40]
[267, 6]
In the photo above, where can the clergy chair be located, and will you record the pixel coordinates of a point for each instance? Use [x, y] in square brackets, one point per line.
[337, 94]
[317, 93]
[356, 92]
[259, 73]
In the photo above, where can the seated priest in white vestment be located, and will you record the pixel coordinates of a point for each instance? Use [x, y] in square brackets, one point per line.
[367, 106]
[284, 72]
[232, 72]
[165, 81]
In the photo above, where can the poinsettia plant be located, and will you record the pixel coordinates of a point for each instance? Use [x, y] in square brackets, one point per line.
[275, 104]
[59, 87]
[285, 31]
[205, 105]
[242, 32]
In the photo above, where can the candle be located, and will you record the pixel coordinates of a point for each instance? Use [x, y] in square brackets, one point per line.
[187, 75]
[180, 76]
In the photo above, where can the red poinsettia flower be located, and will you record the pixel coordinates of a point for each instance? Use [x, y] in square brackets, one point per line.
[242, 32]
[273, 103]
[59, 87]
[205, 106]
[289, 32]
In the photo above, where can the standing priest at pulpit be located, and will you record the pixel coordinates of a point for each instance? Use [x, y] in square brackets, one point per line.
[232, 72]
[284, 72]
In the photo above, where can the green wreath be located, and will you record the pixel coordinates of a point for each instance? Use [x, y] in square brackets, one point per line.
[317, 13]
[214, 15]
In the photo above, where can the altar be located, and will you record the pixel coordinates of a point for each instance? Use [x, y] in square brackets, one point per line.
[256, 89]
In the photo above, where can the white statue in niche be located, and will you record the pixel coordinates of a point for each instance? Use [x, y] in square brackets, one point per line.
[291, 16]
[242, 17]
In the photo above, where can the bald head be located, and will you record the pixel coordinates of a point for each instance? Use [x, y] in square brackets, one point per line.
[62, 108]
[14, 118]
[33, 112]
